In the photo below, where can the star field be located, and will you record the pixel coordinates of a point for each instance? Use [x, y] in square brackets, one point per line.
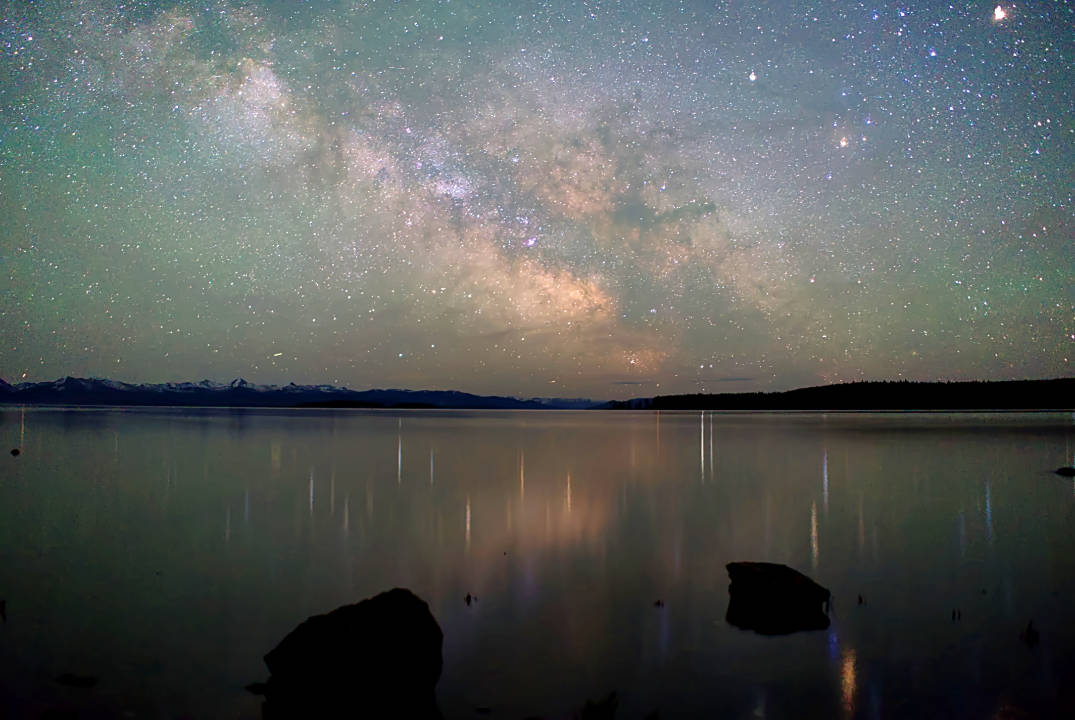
[603, 199]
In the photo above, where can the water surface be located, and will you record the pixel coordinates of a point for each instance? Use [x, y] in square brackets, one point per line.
[164, 551]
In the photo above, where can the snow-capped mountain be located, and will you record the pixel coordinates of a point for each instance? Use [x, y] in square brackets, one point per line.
[241, 393]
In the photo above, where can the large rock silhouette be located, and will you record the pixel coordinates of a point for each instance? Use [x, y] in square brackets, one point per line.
[773, 599]
[378, 658]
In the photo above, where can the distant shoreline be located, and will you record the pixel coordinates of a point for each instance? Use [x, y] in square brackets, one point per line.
[1055, 395]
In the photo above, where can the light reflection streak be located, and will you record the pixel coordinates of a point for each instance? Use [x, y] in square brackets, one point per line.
[467, 531]
[311, 491]
[988, 513]
[569, 493]
[848, 681]
[246, 506]
[332, 493]
[522, 477]
[711, 471]
[227, 525]
[399, 454]
[701, 446]
[825, 479]
[813, 535]
[346, 514]
[430, 467]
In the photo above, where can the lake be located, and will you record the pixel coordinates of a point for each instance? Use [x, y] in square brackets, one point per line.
[165, 551]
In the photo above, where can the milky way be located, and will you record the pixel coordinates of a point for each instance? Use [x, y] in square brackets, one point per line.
[601, 199]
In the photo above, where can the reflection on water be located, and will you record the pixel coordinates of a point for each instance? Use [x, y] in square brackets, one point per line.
[847, 682]
[165, 551]
[814, 552]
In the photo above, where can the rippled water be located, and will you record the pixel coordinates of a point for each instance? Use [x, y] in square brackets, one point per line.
[165, 551]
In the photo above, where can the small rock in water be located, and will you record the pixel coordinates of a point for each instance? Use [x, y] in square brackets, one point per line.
[1065, 471]
[659, 603]
[15, 452]
[469, 599]
[861, 601]
[1030, 636]
[604, 709]
[257, 688]
[76, 681]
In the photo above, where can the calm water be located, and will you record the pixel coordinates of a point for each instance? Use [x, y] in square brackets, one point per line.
[165, 551]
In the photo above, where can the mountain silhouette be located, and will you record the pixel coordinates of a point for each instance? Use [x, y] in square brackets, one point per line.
[241, 393]
[1057, 394]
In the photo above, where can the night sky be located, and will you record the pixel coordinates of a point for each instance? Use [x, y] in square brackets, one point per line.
[600, 199]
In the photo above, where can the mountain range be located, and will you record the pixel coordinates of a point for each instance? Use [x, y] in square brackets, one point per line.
[240, 393]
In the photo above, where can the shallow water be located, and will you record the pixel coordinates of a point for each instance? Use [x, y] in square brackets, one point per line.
[164, 551]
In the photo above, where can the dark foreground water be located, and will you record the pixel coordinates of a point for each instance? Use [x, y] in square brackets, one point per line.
[163, 552]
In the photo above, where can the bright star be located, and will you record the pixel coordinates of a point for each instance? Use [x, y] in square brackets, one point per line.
[999, 14]
[752, 77]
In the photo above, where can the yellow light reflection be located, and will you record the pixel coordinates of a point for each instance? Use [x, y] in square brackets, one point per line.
[467, 532]
[848, 681]
[569, 493]
[522, 477]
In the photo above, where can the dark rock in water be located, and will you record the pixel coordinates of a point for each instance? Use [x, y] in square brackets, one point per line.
[15, 452]
[257, 688]
[76, 681]
[1062, 471]
[773, 599]
[604, 709]
[378, 658]
[1030, 636]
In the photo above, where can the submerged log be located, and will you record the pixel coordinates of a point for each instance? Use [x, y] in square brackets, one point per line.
[773, 599]
[377, 658]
